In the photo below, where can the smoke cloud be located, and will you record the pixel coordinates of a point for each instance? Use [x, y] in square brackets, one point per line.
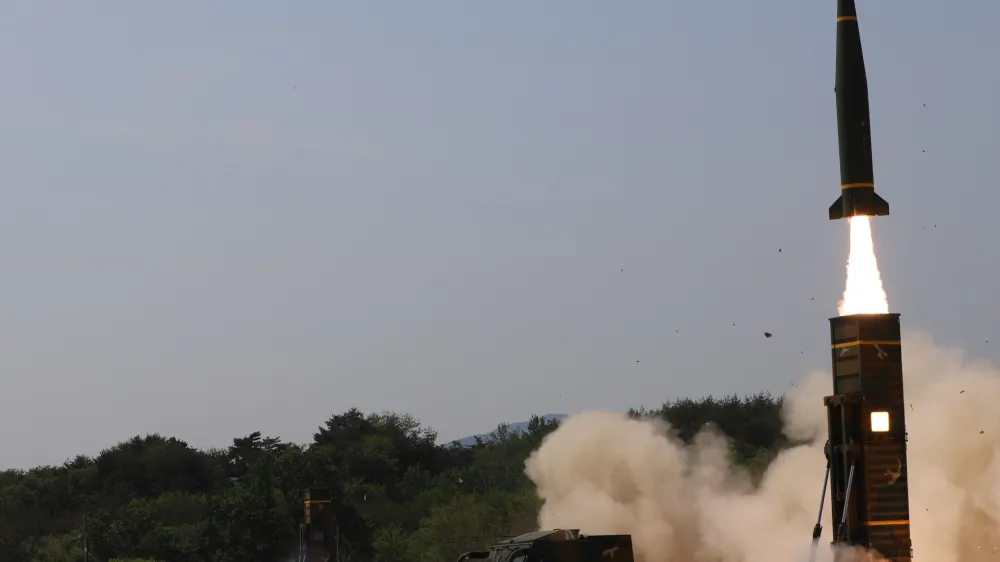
[604, 473]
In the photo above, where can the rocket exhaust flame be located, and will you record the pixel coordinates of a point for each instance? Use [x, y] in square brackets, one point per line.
[864, 293]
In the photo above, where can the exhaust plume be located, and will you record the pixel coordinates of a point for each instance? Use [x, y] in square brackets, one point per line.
[864, 293]
[604, 473]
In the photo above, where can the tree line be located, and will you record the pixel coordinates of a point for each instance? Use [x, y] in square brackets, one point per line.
[398, 496]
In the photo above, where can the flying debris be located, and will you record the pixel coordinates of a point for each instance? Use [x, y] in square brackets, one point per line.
[857, 176]
[767, 334]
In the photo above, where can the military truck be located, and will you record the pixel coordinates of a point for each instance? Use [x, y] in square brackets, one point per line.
[558, 545]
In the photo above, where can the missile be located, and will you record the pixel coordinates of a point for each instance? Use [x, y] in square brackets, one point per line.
[857, 177]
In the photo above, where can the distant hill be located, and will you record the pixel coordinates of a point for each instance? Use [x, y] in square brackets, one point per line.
[514, 427]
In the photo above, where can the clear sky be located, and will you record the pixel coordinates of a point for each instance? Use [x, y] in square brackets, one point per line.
[226, 217]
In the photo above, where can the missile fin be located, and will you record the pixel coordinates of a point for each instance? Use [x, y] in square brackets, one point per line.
[837, 209]
[879, 206]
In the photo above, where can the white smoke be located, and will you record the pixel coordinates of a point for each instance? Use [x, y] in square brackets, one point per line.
[602, 473]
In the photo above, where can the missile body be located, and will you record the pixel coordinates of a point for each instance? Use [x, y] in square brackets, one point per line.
[857, 177]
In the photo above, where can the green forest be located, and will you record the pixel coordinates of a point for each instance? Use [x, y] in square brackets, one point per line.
[398, 495]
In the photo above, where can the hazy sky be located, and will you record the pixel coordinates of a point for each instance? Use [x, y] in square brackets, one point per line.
[226, 217]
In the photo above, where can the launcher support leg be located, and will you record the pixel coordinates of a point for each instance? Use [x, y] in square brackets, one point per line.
[818, 529]
[847, 502]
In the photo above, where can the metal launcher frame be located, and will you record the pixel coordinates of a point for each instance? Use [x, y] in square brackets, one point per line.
[867, 428]
[313, 537]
